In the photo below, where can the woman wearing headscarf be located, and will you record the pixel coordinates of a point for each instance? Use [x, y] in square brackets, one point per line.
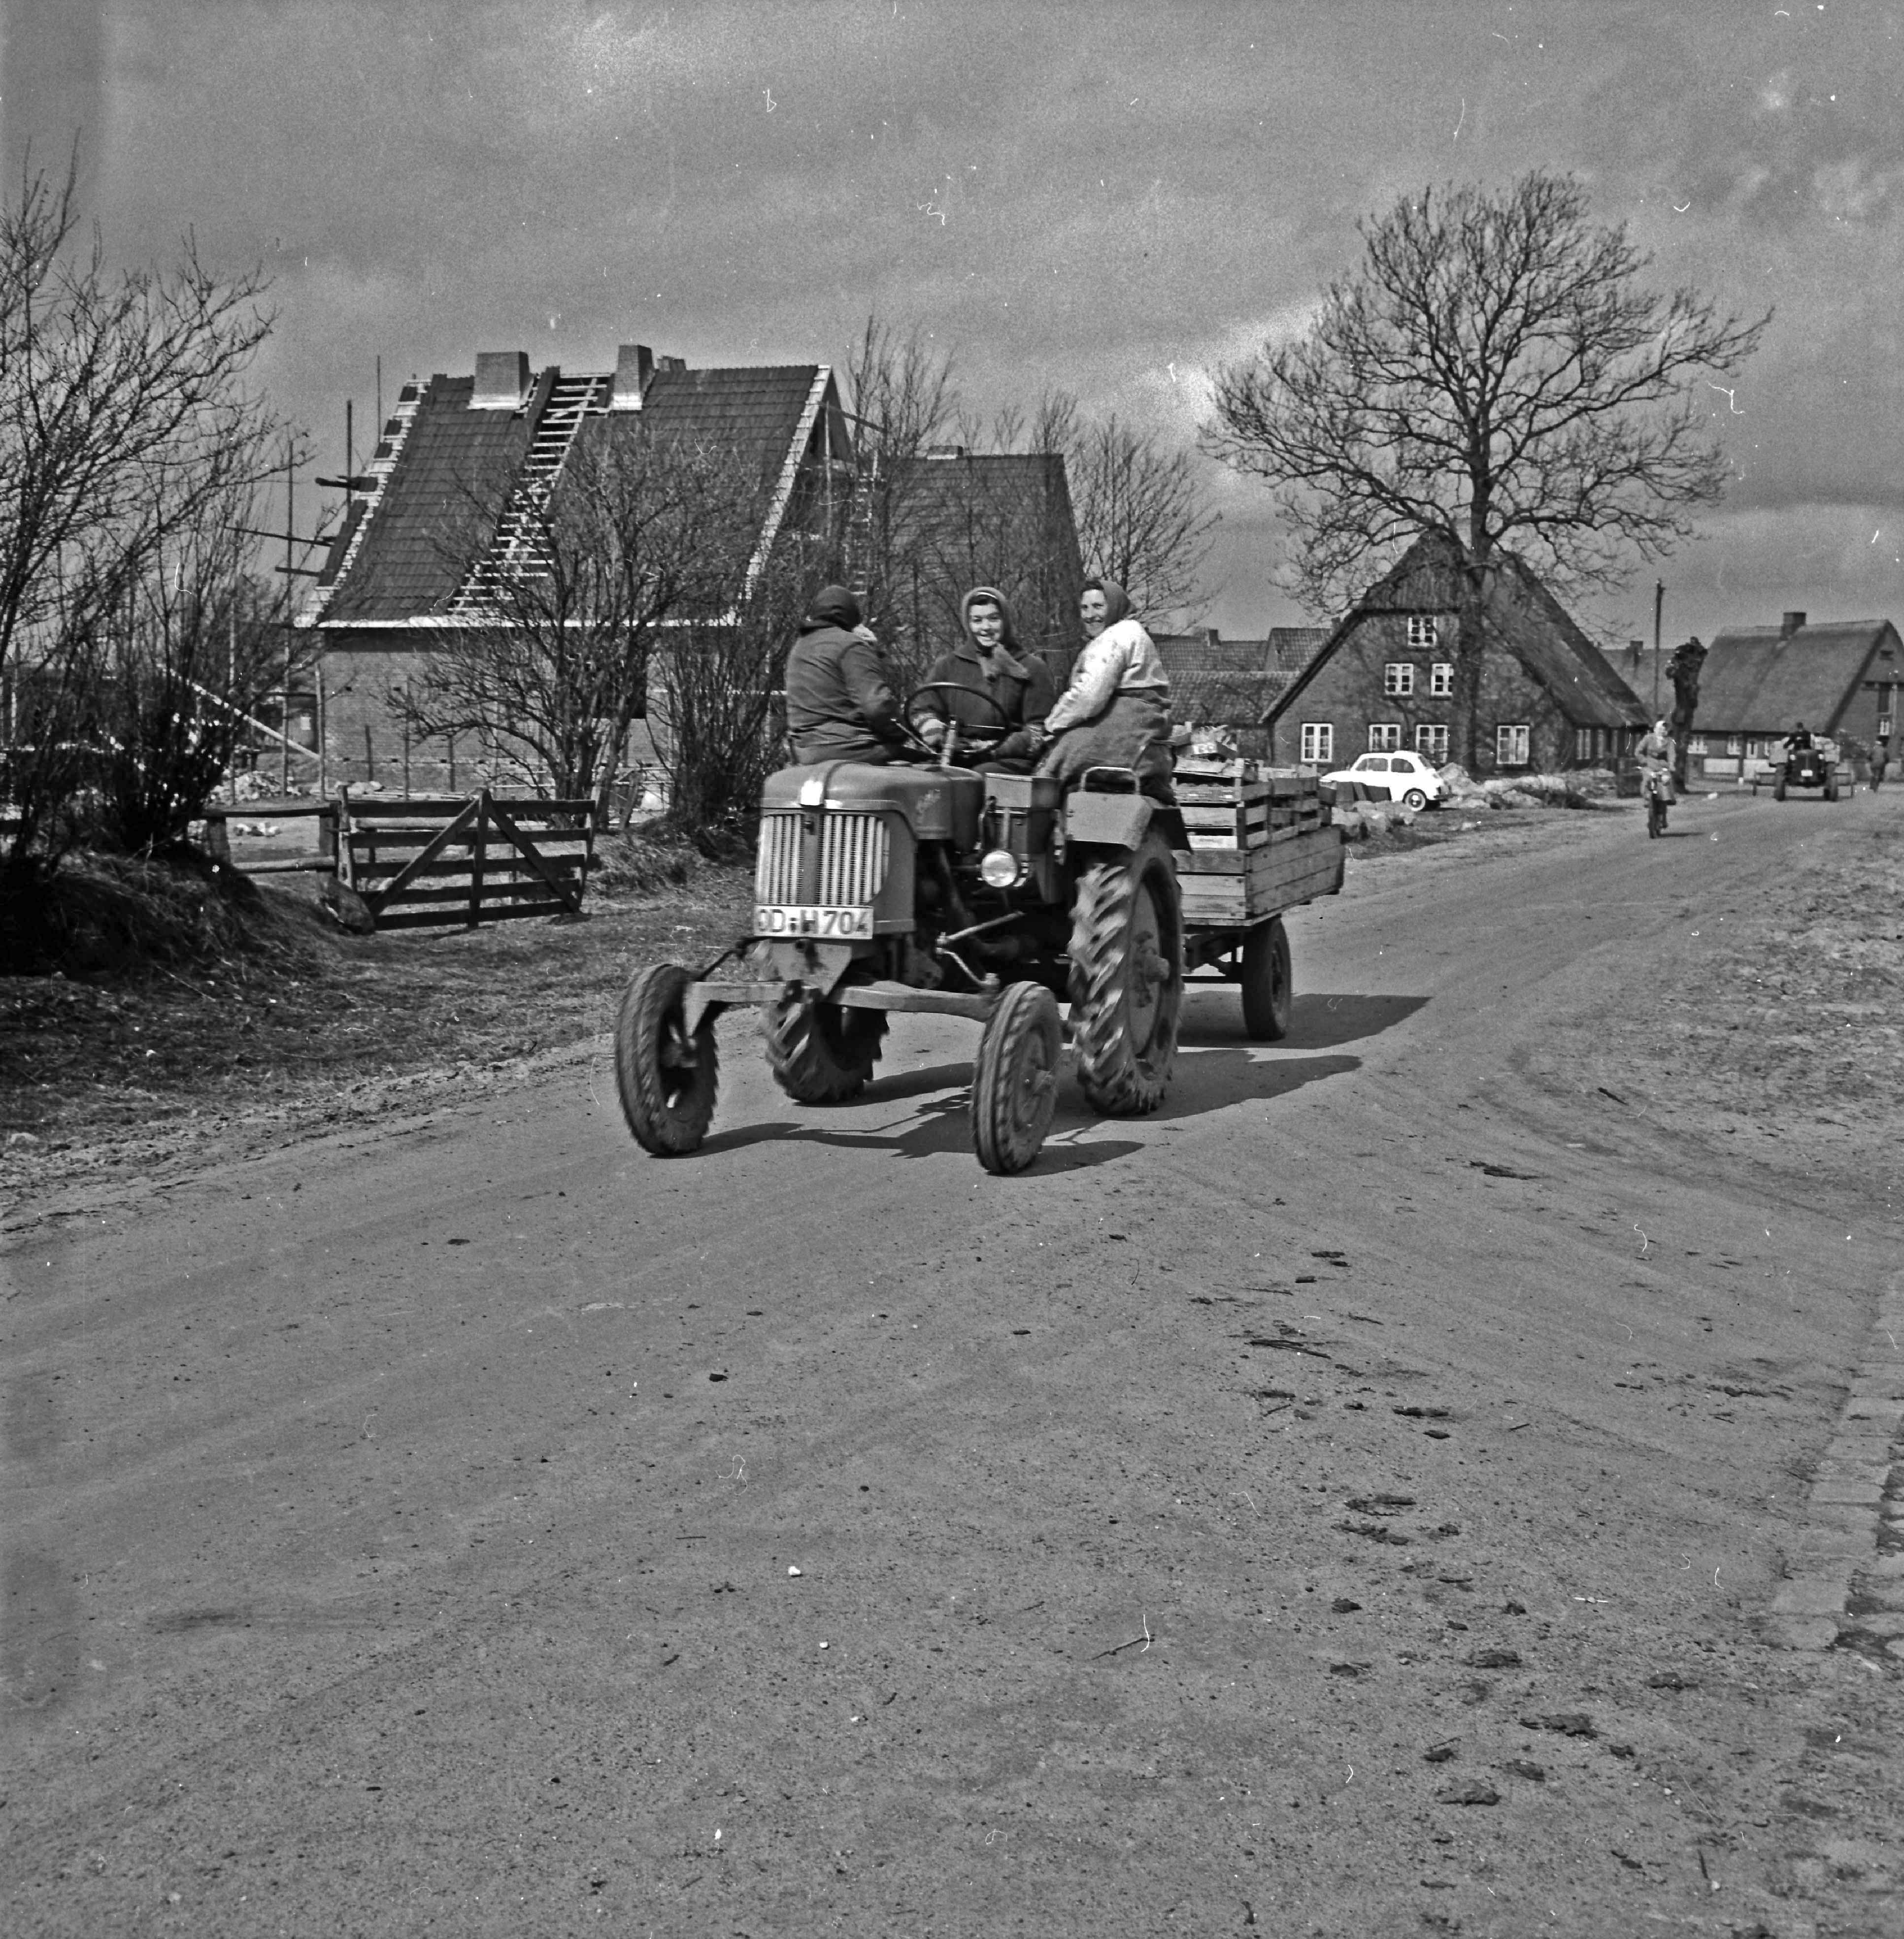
[987, 665]
[1116, 712]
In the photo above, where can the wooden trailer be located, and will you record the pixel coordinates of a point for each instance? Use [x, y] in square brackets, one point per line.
[1262, 841]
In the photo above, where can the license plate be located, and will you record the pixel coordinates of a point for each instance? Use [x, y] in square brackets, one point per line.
[781, 919]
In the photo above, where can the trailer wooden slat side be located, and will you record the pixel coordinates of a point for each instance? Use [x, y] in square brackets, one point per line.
[1260, 842]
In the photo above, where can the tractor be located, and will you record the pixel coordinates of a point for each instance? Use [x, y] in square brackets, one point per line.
[931, 886]
[1813, 767]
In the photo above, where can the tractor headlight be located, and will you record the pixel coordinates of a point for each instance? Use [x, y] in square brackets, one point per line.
[1000, 869]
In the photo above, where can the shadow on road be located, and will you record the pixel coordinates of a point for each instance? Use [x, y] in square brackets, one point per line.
[1207, 1078]
[1316, 1022]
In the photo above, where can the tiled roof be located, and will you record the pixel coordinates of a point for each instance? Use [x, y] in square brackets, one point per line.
[1293, 648]
[1203, 697]
[422, 538]
[409, 561]
[747, 411]
[1757, 680]
[1200, 652]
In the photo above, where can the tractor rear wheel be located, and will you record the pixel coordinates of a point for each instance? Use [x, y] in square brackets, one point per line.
[1268, 986]
[1015, 1081]
[666, 1077]
[1831, 784]
[1127, 979]
[822, 1053]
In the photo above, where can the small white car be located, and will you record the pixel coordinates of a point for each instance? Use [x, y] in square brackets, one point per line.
[1407, 778]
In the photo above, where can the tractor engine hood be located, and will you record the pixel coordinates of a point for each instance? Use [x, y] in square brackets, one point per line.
[938, 804]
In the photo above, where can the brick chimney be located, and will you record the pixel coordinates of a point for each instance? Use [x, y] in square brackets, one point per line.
[502, 380]
[634, 370]
[1790, 624]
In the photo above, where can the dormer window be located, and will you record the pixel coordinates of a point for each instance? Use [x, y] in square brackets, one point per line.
[1424, 631]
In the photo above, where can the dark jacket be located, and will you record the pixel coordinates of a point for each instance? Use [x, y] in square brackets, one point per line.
[839, 698]
[1023, 697]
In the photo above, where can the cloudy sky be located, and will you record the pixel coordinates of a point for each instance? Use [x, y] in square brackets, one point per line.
[1113, 198]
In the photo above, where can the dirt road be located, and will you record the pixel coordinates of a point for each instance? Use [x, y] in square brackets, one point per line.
[489, 1529]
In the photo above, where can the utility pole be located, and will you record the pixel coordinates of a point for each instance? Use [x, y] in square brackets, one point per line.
[1659, 603]
[291, 525]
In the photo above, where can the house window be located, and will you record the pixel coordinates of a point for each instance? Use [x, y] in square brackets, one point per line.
[1385, 736]
[1511, 746]
[1695, 744]
[1318, 744]
[1398, 680]
[1583, 743]
[1441, 679]
[1735, 744]
[1423, 630]
[1884, 726]
[1431, 743]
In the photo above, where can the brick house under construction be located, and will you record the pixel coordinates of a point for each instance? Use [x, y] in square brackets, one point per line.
[390, 584]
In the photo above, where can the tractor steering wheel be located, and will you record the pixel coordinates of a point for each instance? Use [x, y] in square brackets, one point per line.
[993, 734]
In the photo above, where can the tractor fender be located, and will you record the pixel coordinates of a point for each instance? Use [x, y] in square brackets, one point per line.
[1109, 820]
[1121, 821]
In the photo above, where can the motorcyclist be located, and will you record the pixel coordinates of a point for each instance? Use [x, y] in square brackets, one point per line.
[839, 690]
[1657, 755]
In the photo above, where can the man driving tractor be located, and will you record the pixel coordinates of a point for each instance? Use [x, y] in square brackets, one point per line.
[840, 705]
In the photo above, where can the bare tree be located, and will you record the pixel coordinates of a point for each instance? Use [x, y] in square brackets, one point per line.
[1493, 371]
[904, 403]
[1141, 519]
[548, 654]
[125, 432]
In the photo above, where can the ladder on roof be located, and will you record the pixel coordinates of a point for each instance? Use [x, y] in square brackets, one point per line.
[515, 551]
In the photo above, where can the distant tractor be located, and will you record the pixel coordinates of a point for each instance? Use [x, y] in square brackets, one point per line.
[929, 887]
[1815, 766]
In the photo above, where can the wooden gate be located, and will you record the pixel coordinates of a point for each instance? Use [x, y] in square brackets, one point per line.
[421, 863]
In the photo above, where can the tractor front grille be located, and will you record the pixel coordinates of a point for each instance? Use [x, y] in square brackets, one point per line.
[855, 851]
[777, 871]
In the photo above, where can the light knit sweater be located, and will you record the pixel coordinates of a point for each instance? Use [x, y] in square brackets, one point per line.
[1122, 660]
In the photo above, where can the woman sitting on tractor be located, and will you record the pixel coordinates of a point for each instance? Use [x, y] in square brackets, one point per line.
[986, 683]
[1116, 713]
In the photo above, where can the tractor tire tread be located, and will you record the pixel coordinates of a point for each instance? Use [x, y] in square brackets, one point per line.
[669, 1123]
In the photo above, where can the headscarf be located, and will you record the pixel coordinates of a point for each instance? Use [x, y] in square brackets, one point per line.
[1117, 601]
[1006, 653]
[833, 605]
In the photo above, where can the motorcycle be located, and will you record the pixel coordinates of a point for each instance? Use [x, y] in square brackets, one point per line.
[1658, 788]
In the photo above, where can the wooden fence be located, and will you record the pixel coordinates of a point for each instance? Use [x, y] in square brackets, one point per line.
[417, 863]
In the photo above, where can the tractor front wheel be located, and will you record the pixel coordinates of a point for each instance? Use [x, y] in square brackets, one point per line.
[1015, 1081]
[667, 1078]
[1268, 984]
[822, 1053]
[1127, 980]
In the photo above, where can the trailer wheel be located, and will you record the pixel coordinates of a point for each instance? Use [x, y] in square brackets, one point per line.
[1126, 980]
[1015, 1081]
[1268, 984]
[822, 1053]
[667, 1079]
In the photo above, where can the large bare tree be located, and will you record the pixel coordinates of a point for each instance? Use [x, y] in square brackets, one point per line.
[126, 435]
[1495, 370]
[1141, 516]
